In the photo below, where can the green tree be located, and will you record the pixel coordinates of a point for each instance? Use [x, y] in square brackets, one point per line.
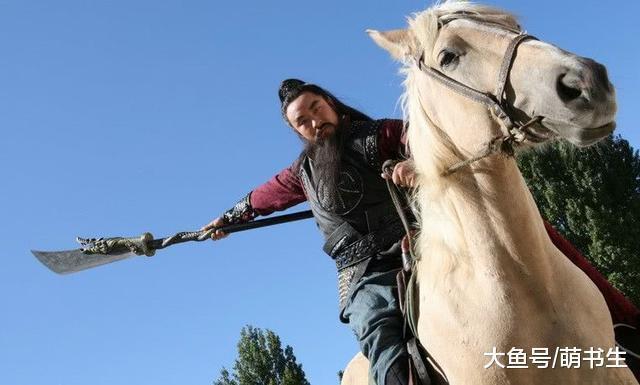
[592, 196]
[262, 361]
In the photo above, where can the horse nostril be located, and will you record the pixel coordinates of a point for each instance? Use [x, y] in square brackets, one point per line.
[602, 77]
[569, 87]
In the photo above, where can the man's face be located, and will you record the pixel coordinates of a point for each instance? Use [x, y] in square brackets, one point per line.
[312, 116]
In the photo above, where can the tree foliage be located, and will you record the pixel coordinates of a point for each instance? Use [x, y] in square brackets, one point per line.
[262, 361]
[592, 196]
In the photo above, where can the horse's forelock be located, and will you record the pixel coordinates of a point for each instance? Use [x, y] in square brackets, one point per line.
[425, 24]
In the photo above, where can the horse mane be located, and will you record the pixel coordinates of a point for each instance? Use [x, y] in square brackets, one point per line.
[431, 148]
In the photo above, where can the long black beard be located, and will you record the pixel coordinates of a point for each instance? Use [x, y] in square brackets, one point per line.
[326, 156]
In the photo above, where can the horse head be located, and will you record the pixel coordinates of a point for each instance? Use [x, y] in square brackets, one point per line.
[457, 53]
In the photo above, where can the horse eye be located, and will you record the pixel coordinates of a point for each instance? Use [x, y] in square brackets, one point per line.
[447, 58]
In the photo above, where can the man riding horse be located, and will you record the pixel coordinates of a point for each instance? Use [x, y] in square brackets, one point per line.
[338, 173]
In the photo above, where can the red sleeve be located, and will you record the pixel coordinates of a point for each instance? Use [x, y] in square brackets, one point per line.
[279, 193]
[392, 140]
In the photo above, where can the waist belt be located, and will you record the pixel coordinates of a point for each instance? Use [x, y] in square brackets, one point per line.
[347, 247]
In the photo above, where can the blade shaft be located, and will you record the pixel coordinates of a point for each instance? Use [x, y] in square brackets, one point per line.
[70, 261]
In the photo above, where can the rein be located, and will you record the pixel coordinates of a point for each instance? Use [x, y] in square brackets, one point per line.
[406, 282]
[514, 133]
[400, 202]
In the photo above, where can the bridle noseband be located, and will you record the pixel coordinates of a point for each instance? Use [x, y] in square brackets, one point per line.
[514, 133]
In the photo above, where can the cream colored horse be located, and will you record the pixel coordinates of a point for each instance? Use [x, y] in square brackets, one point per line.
[488, 277]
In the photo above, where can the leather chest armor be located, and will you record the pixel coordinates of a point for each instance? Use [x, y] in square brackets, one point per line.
[359, 221]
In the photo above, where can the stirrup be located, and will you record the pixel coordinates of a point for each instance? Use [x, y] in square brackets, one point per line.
[628, 339]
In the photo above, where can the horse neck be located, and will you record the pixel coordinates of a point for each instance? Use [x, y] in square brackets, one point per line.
[491, 206]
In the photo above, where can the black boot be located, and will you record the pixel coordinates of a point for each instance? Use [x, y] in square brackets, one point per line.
[398, 373]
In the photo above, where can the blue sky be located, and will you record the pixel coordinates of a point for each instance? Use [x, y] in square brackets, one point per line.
[119, 117]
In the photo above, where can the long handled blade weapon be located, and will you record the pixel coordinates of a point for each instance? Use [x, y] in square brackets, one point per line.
[99, 251]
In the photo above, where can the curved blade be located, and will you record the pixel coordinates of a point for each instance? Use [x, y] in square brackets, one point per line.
[70, 261]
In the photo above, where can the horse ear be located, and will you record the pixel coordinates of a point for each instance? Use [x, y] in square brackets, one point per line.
[397, 42]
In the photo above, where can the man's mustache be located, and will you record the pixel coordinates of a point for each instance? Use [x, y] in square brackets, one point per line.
[322, 128]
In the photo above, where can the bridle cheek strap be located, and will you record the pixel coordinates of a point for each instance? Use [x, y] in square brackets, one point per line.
[497, 103]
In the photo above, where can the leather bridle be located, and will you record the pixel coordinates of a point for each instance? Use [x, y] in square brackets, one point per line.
[514, 132]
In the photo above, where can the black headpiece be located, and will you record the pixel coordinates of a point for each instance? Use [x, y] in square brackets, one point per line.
[289, 90]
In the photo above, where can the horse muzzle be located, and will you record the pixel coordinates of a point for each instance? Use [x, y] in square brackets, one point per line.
[587, 106]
